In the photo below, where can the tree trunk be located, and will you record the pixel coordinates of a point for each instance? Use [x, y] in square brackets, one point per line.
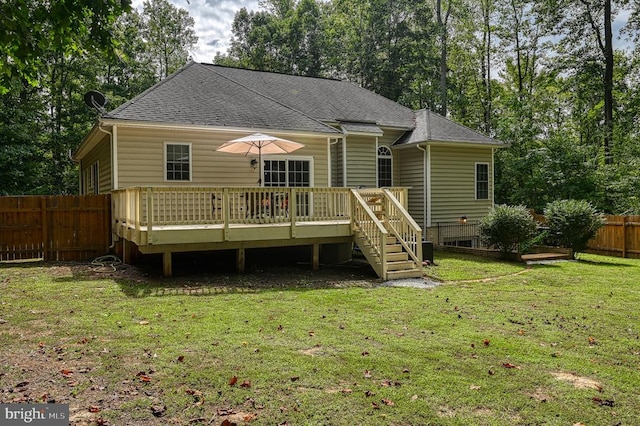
[608, 84]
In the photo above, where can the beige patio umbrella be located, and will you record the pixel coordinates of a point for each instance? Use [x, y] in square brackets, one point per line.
[259, 143]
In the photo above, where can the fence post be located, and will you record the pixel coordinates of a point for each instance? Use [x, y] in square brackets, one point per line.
[624, 237]
[45, 233]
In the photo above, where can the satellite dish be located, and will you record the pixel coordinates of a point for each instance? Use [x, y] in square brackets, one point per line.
[95, 99]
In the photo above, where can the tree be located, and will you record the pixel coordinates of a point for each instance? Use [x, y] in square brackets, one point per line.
[33, 27]
[169, 34]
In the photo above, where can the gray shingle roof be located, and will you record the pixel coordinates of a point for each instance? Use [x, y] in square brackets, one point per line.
[211, 95]
[324, 99]
[195, 95]
[432, 127]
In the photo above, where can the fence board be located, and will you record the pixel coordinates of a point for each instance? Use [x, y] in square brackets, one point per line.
[54, 227]
[619, 237]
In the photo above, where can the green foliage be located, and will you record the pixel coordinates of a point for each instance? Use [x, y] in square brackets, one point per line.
[572, 223]
[32, 28]
[506, 227]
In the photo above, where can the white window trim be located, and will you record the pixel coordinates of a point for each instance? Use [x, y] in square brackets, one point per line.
[390, 157]
[475, 182]
[189, 144]
[94, 173]
[287, 158]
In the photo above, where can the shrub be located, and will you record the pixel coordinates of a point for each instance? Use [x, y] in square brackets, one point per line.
[572, 223]
[506, 227]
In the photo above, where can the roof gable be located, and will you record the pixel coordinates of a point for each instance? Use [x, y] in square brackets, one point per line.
[432, 127]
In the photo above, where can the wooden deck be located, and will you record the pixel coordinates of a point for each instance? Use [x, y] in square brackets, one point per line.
[169, 220]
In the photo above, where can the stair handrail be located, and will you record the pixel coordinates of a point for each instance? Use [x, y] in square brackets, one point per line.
[411, 227]
[377, 241]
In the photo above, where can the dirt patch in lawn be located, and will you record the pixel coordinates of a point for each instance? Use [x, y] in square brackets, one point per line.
[577, 381]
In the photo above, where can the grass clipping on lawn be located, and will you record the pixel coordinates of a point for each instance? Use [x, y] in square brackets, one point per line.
[557, 344]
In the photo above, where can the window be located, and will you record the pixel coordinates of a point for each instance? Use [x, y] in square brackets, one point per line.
[384, 167]
[90, 179]
[482, 181]
[292, 172]
[178, 161]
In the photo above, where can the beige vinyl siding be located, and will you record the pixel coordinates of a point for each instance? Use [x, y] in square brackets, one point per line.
[453, 187]
[102, 154]
[411, 162]
[141, 158]
[361, 161]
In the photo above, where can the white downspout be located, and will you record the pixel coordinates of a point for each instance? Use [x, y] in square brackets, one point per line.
[114, 165]
[329, 163]
[344, 161]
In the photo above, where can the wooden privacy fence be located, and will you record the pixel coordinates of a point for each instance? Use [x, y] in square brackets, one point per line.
[64, 227]
[619, 237]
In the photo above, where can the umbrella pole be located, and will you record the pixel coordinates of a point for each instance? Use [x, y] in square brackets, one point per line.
[259, 166]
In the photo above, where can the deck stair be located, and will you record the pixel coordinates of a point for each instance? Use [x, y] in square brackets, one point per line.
[387, 236]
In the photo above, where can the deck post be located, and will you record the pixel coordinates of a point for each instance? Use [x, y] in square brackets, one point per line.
[240, 260]
[166, 264]
[315, 257]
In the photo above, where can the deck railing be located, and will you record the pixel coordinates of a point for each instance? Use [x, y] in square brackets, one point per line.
[160, 206]
[406, 230]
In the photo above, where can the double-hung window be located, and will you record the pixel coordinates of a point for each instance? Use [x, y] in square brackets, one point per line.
[482, 181]
[178, 162]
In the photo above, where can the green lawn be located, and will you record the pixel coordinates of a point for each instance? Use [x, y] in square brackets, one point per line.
[495, 344]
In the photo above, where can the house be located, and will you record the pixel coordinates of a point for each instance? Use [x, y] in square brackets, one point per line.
[371, 170]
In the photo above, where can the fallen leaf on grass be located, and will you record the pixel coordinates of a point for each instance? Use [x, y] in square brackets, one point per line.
[487, 342]
[144, 323]
[592, 341]
[246, 384]
[367, 374]
[312, 333]
[603, 402]
[143, 376]
[365, 353]
[181, 358]
[375, 406]
[475, 387]
[509, 365]
[233, 381]
[67, 373]
[388, 402]
[369, 394]
[346, 391]
[294, 378]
